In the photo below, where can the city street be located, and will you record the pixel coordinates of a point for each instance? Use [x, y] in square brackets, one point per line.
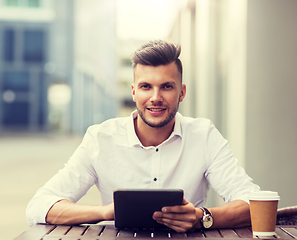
[27, 161]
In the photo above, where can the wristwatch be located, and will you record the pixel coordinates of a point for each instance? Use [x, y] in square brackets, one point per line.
[207, 219]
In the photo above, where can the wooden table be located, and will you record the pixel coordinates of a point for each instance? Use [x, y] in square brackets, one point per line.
[109, 232]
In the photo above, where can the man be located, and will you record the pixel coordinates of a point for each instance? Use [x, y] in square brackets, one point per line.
[156, 147]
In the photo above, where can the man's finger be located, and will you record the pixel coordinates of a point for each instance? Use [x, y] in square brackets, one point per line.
[187, 208]
[178, 226]
[185, 202]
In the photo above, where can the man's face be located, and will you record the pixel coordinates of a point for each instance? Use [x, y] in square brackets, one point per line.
[157, 92]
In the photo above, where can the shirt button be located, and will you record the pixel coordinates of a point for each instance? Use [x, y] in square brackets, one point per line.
[157, 150]
[155, 179]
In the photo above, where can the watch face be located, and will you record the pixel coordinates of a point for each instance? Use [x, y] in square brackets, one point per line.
[207, 221]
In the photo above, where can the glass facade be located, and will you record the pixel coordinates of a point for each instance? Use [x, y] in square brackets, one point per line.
[16, 114]
[16, 81]
[8, 45]
[23, 83]
[23, 3]
[33, 46]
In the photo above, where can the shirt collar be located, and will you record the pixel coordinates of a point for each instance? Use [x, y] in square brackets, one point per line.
[132, 137]
[177, 126]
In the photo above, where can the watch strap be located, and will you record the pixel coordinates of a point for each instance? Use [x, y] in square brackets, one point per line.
[207, 219]
[205, 211]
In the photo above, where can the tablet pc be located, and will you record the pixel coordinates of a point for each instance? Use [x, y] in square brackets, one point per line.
[134, 208]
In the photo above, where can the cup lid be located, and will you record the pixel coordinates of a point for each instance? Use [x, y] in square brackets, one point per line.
[264, 195]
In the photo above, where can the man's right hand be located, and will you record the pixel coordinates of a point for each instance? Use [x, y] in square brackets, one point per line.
[67, 212]
[108, 211]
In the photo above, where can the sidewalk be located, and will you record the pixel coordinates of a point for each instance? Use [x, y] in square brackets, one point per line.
[27, 161]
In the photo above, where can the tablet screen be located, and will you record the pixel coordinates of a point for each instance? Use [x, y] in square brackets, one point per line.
[134, 208]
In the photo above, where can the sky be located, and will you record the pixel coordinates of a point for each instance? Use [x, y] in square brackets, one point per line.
[145, 19]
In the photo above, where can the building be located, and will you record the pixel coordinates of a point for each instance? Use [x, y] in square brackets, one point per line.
[58, 64]
[95, 64]
[25, 27]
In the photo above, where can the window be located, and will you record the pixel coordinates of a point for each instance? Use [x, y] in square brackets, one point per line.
[16, 81]
[8, 45]
[12, 3]
[16, 113]
[33, 46]
[33, 3]
[23, 3]
[126, 62]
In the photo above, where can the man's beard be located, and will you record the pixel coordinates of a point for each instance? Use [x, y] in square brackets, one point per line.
[162, 123]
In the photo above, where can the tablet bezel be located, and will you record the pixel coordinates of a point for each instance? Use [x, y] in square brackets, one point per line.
[134, 208]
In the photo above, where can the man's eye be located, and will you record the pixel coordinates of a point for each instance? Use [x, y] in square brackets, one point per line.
[167, 87]
[145, 86]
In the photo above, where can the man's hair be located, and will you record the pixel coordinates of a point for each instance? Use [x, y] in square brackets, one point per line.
[156, 53]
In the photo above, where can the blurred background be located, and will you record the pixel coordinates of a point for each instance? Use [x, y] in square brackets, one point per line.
[65, 65]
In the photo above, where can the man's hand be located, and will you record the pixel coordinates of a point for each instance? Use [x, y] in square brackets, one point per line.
[67, 212]
[179, 218]
[186, 217]
[108, 212]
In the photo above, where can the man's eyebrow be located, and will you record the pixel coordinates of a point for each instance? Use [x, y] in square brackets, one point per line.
[169, 82]
[162, 84]
[143, 83]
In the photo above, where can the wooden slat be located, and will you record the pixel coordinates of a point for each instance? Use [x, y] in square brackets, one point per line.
[60, 230]
[80, 238]
[212, 233]
[70, 238]
[126, 233]
[177, 235]
[143, 233]
[29, 236]
[281, 234]
[35, 232]
[93, 230]
[228, 233]
[244, 232]
[47, 237]
[109, 231]
[42, 228]
[291, 230]
[161, 233]
[195, 234]
[76, 231]
[83, 238]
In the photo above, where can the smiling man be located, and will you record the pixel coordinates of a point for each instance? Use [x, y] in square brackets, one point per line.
[157, 91]
[156, 147]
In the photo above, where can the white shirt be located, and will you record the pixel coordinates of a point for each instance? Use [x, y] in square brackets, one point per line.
[111, 156]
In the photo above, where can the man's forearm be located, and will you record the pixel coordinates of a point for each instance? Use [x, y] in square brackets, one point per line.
[232, 214]
[67, 212]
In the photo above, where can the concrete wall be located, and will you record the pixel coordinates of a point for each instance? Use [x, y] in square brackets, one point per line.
[271, 131]
[95, 64]
[240, 58]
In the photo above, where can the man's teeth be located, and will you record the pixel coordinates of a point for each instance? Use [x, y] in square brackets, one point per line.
[156, 110]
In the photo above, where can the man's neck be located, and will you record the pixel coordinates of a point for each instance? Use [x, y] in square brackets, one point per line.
[150, 136]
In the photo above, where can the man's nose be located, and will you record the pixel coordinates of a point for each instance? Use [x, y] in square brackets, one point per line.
[156, 96]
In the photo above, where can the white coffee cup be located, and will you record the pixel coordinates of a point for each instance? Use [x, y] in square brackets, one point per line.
[263, 210]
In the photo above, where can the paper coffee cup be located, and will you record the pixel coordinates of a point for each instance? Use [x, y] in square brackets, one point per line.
[263, 210]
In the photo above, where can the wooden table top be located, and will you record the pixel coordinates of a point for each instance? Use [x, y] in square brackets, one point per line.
[88, 232]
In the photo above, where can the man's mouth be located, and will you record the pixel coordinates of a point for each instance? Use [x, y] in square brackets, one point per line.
[156, 109]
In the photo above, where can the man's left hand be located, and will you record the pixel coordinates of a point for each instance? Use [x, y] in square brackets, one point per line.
[179, 218]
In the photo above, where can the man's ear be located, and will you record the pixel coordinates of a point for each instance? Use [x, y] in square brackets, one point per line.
[182, 93]
[133, 92]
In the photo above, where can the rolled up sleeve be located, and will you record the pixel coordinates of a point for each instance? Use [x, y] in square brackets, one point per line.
[72, 182]
[224, 174]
